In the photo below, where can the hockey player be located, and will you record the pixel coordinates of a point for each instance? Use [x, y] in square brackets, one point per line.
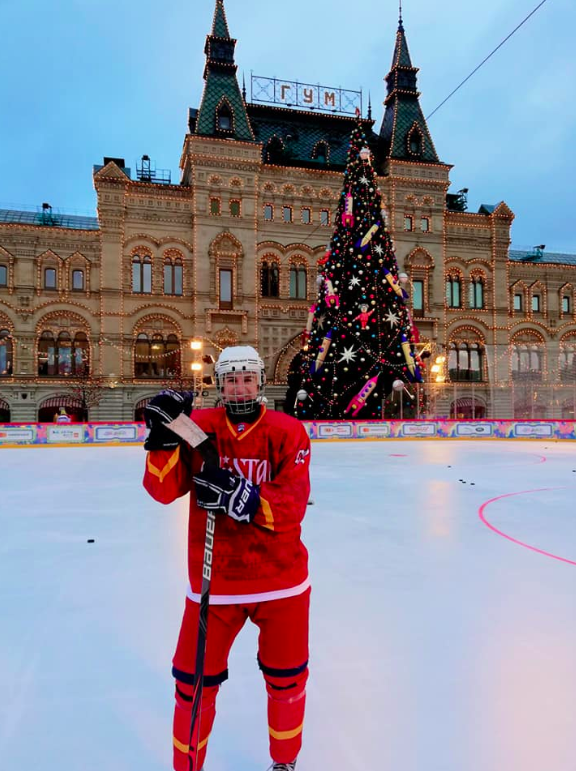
[260, 565]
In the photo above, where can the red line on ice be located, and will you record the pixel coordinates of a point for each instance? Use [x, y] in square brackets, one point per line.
[482, 516]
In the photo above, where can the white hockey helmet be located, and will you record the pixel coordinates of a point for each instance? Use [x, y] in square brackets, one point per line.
[231, 362]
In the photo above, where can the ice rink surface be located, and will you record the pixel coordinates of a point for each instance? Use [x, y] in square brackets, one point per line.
[443, 632]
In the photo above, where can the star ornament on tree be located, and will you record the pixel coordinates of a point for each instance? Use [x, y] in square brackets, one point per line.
[392, 319]
[364, 180]
[354, 282]
[379, 250]
[348, 355]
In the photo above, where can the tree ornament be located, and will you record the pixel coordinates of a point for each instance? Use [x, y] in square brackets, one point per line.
[359, 400]
[302, 395]
[319, 363]
[364, 316]
[348, 213]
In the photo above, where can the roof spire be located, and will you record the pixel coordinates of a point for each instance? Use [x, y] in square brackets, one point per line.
[244, 86]
[369, 106]
[400, 22]
[220, 25]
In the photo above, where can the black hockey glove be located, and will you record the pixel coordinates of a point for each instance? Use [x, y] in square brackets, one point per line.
[161, 410]
[220, 490]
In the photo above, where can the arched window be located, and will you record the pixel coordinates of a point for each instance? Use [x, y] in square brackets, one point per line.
[270, 279]
[454, 292]
[567, 360]
[63, 356]
[298, 278]
[320, 152]
[527, 360]
[173, 276]
[141, 274]
[274, 151]
[415, 142]
[156, 357]
[6, 361]
[476, 293]
[224, 118]
[466, 362]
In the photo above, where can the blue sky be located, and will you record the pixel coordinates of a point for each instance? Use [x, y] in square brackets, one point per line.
[87, 78]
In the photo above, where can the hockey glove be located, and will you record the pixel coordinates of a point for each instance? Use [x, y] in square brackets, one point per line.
[220, 490]
[161, 410]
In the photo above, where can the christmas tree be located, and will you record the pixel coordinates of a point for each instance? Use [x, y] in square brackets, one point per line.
[358, 345]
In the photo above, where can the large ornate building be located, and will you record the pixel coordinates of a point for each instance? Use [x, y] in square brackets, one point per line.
[229, 256]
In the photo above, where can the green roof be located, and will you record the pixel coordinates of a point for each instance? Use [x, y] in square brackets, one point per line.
[48, 219]
[518, 255]
[222, 86]
[220, 25]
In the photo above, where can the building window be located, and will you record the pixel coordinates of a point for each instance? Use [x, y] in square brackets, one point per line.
[527, 362]
[235, 208]
[157, 357]
[226, 289]
[465, 362]
[215, 207]
[270, 279]
[536, 305]
[173, 277]
[567, 361]
[78, 280]
[298, 282]
[268, 212]
[476, 293]
[518, 302]
[425, 224]
[324, 217]
[224, 118]
[274, 151]
[63, 356]
[287, 213]
[5, 353]
[418, 296]
[3, 275]
[566, 304]
[142, 275]
[306, 216]
[415, 142]
[454, 292]
[320, 152]
[408, 223]
[50, 278]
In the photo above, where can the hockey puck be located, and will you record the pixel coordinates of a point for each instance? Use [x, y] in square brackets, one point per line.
[90, 540]
[310, 502]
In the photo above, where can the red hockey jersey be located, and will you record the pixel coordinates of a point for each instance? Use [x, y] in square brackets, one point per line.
[252, 562]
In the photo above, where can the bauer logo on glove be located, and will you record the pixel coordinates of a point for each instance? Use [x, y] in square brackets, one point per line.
[220, 490]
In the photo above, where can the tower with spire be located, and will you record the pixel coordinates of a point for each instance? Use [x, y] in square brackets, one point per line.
[222, 109]
[404, 133]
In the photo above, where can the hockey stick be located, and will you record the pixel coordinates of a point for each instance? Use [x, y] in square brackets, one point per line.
[186, 429]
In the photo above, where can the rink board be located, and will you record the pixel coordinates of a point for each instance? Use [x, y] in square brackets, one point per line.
[102, 434]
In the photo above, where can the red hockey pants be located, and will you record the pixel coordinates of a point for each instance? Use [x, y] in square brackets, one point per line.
[282, 657]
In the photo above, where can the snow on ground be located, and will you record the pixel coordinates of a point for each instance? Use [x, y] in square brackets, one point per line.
[441, 639]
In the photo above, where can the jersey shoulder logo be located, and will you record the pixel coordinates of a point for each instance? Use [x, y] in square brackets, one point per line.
[301, 457]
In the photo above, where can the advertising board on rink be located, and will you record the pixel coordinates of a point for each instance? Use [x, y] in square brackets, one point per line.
[110, 434]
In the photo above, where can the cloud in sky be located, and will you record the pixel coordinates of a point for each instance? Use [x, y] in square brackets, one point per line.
[88, 78]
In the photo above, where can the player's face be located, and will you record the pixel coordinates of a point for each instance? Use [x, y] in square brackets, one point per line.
[240, 386]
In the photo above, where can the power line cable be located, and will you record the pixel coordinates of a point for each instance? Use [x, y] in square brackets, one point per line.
[486, 59]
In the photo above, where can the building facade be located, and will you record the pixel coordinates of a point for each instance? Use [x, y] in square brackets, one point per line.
[228, 256]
